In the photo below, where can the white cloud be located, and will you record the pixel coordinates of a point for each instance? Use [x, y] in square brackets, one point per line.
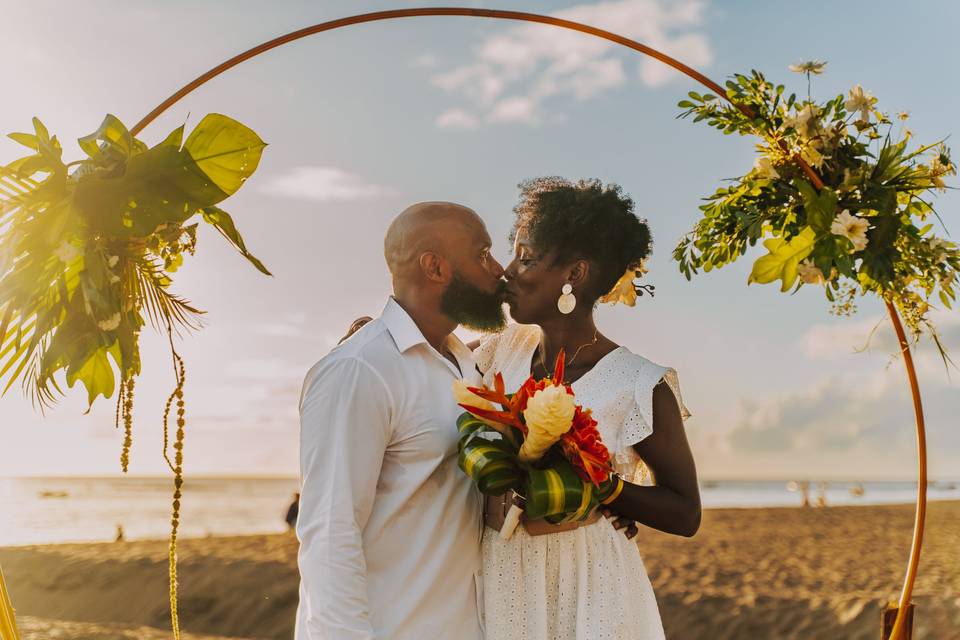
[457, 119]
[515, 109]
[323, 184]
[425, 61]
[875, 334]
[516, 71]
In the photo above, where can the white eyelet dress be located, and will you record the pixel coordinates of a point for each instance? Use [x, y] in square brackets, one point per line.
[589, 583]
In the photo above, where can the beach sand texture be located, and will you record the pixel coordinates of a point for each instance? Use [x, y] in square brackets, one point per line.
[750, 573]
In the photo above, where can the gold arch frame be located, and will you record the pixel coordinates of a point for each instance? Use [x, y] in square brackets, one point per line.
[921, 506]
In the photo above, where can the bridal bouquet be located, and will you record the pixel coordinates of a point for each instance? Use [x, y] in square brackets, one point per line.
[539, 443]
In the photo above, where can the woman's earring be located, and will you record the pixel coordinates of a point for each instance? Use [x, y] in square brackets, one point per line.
[567, 301]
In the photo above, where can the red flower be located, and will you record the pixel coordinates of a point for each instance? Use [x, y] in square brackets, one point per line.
[584, 449]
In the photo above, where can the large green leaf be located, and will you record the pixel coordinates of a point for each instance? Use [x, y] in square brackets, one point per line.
[224, 223]
[113, 133]
[226, 151]
[95, 373]
[167, 183]
[820, 207]
[784, 257]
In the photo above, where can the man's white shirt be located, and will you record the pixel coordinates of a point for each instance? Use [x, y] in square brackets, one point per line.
[389, 527]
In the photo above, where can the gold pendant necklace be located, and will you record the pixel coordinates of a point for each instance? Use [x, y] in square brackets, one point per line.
[540, 349]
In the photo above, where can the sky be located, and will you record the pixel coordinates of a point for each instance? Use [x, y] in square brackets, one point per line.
[363, 121]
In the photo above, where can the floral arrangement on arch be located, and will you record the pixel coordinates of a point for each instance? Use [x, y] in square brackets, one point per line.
[88, 251]
[866, 228]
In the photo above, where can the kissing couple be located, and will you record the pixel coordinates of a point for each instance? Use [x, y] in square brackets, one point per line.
[396, 542]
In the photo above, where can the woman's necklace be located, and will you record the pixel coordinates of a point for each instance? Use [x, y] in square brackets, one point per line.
[540, 350]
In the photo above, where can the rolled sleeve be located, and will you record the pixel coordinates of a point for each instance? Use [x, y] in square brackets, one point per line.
[345, 414]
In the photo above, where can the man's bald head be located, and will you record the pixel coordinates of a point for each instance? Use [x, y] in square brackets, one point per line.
[436, 227]
[439, 258]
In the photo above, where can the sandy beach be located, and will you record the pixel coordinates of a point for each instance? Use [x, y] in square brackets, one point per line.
[749, 573]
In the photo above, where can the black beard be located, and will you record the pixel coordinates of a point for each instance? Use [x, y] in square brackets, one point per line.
[472, 307]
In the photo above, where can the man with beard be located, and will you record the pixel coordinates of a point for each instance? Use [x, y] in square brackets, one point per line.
[389, 528]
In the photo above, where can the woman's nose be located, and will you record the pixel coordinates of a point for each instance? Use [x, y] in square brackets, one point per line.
[497, 268]
[511, 271]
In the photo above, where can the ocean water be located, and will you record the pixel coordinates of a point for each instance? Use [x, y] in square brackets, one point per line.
[51, 510]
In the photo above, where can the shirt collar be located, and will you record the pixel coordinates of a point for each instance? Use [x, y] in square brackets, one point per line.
[406, 334]
[401, 326]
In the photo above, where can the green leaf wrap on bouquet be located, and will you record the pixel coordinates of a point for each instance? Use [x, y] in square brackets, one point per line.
[491, 464]
[558, 494]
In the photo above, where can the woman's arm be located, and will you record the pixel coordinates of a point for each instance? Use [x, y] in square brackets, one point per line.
[672, 504]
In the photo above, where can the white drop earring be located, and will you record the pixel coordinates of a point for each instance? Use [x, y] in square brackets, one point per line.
[567, 301]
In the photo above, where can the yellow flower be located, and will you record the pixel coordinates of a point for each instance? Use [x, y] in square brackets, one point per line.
[809, 272]
[624, 290]
[860, 100]
[549, 415]
[463, 395]
[810, 66]
[852, 228]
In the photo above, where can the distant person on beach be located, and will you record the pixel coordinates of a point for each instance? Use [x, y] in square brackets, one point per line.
[821, 494]
[120, 535]
[292, 510]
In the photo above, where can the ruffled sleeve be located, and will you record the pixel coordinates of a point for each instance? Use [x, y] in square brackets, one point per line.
[639, 421]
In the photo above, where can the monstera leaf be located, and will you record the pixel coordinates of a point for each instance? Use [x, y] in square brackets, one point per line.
[87, 250]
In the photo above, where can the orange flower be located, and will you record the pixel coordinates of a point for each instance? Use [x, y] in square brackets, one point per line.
[513, 406]
[584, 449]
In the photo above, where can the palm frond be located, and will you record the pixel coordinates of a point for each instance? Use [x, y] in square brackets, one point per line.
[164, 309]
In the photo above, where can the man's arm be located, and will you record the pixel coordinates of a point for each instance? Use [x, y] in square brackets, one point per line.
[345, 413]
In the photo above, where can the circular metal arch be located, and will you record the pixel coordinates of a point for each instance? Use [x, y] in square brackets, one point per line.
[920, 515]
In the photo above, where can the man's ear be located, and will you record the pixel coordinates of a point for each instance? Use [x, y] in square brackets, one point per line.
[434, 267]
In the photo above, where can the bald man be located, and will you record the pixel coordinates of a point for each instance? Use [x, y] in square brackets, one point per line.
[389, 527]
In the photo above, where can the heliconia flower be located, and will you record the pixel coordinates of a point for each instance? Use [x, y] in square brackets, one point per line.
[549, 415]
[110, 323]
[809, 272]
[463, 395]
[852, 228]
[860, 100]
[66, 252]
[763, 167]
[814, 67]
[585, 450]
